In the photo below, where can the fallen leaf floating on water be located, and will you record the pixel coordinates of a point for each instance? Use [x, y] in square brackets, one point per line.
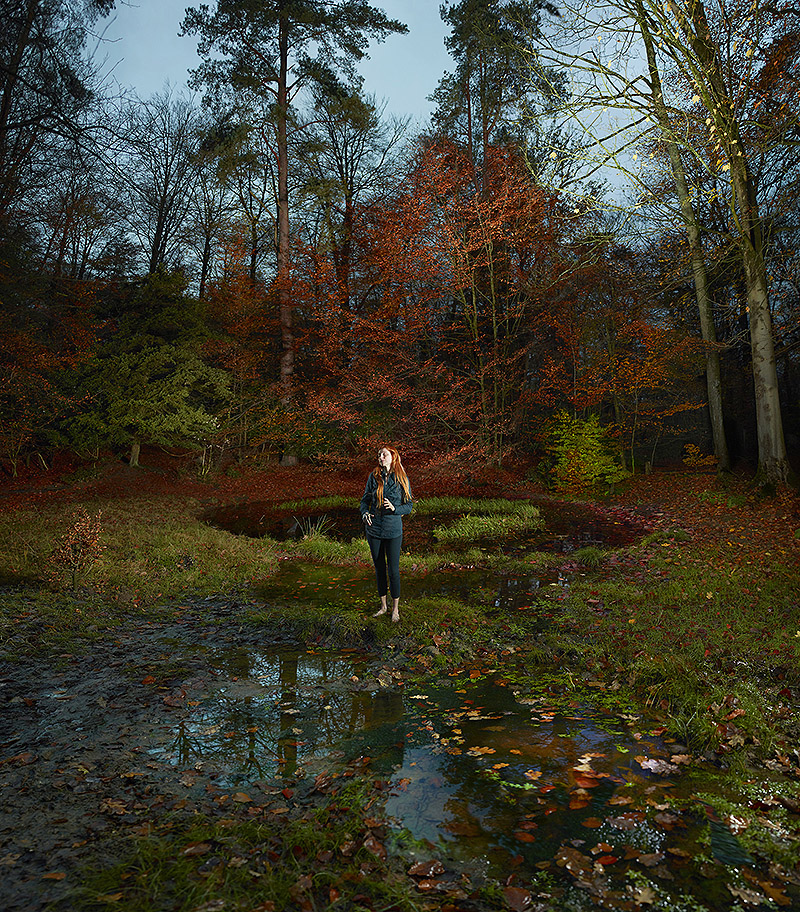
[426, 869]
[644, 896]
[461, 827]
[656, 766]
[602, 847]
[747, 896]
[577, 864]
[668, 821]
[775, 893]
[517, 898]
[587, 782]
[626, 821]
[679, 853]
[371, 844]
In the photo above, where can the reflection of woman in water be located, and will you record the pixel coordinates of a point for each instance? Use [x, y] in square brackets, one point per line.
[387, 498]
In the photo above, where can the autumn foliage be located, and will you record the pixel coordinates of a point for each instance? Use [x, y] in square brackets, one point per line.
[78, 549]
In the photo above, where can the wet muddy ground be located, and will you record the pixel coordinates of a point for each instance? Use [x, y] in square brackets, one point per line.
[488, 769]
[78, 777]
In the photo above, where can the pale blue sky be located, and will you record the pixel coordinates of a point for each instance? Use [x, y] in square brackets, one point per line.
[141, 49]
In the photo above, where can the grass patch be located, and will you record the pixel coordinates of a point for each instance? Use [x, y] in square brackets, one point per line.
[590, 556]
[472, 526]
[311, 857]
[328, 502]
[153, 548]
[722, 498]
[31, 620]
[321, 549]
[693, 634]
[453, 504]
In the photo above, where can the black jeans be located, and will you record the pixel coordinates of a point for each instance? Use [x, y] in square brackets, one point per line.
[386, 557]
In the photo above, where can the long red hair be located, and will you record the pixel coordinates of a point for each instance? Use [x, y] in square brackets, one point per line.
[399, 474]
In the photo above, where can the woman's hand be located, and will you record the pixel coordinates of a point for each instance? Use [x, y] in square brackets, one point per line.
[387, 504]
[367, 518]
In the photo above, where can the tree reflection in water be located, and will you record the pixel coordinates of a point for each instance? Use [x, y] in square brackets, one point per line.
[273, 713]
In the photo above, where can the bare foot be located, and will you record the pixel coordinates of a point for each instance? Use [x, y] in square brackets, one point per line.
[395, 616]
[379, 612]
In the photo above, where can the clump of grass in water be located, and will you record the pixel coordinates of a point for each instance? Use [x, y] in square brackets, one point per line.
[314, 527]
[328, 551]
[329, 502]
[454, 504]
[589, 557]
[772, 843]
[490, 525]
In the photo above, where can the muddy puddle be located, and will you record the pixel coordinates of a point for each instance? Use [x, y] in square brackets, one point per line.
[488, 771]
[566, 526]
[305, 583]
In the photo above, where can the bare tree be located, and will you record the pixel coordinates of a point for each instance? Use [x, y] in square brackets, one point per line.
[613, 71]
[156, 171]
[46, 82]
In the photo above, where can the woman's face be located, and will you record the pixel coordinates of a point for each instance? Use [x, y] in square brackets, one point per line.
[384, 458]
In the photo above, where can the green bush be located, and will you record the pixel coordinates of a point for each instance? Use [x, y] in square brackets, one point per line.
[580, 455]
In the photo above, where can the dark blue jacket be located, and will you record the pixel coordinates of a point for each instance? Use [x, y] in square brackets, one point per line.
[385, 523]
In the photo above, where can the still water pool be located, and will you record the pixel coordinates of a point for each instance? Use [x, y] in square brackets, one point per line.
[491, 770]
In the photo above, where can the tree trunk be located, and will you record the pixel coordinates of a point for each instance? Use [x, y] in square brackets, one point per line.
[156, 251]
[699, 271]
[205, 265]
[284, 293]
[133, 462]
[289, 458]
[773, 464]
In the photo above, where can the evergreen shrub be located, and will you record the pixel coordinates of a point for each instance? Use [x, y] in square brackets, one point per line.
[580, 455]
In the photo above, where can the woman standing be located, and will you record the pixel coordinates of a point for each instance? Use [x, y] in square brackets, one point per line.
[387, 498]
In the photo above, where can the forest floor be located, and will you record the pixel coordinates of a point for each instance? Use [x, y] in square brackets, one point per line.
[698, 621]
